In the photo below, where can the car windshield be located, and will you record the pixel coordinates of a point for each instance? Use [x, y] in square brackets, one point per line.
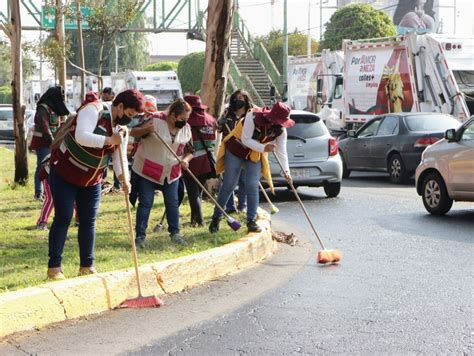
[438, 123]
[6, 114]
[307, 126]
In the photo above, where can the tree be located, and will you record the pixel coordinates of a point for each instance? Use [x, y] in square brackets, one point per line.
[190, 71]
[6, 65]
[297, 45]
[217, 60]
[356, 21]
[161, 66]
[13, 31]
[106, 19]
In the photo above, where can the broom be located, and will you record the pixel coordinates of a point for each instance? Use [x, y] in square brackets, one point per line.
[273, 208]
[324, 255]
[234, 224]
[140, 301]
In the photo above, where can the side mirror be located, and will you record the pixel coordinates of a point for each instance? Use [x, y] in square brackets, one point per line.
[351, 133]
[450, 135]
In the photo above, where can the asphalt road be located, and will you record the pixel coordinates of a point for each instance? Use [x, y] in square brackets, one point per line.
[404, 287]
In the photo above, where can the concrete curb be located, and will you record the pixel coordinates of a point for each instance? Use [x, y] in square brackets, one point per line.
[36, 307]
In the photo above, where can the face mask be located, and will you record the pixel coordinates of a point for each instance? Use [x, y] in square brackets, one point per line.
[239, 104]
[179, 124]
[123, 120]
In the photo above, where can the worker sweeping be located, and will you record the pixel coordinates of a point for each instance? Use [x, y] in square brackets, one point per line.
[247, 146]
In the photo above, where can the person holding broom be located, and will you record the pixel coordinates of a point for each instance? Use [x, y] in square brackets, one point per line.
[203, 128]
[157, 168]
[247, 146]
[80, 153]
[239, 104]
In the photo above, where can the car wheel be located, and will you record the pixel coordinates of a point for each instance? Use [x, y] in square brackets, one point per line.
[332, 190]
[435, 195]
[345, 172]
[396, 169]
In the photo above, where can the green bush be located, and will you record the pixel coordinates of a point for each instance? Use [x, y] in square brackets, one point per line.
[5, 95]
[161, 66]
[190, 72]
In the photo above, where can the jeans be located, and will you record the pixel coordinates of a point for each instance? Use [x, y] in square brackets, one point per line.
[233, 167]
[194, 197]
[41, 153]
[241, 195]
[87, 202]
[146, 196]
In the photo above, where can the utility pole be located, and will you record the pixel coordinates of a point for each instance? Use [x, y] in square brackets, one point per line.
[320, 20]
[285, 44]
[82, 63]
[308, 44]
[59, 34]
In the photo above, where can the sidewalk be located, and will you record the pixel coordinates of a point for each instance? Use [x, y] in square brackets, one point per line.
[36, 307]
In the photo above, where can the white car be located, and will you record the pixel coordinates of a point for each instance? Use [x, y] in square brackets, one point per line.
[446, 171]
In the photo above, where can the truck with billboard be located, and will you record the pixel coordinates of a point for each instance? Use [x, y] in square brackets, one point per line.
[315, 84]
[163, 85]
[408, 73]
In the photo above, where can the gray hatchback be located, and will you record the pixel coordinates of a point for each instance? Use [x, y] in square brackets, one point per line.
[312, 155]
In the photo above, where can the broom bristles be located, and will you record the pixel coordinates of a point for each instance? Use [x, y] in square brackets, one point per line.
[329, 256]
[274, 209]
[142, 302]
[234, 224]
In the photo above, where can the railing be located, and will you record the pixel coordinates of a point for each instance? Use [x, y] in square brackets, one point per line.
[241, 81]
[258, 51]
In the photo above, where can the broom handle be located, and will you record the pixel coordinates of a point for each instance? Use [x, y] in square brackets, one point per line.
[193, 176]
[130, 227]
[301, 204]
[260, 184]
[265, 193]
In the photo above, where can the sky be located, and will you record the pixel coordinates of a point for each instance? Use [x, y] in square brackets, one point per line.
[261, 16]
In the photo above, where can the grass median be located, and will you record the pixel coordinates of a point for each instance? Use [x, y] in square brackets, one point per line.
[24, 249]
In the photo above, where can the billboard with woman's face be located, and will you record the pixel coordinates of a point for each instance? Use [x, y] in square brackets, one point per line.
[416, 15]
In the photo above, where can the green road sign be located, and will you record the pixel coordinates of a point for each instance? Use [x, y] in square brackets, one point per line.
[48, 18]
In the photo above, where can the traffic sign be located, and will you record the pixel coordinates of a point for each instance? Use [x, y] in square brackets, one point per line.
[48, 18]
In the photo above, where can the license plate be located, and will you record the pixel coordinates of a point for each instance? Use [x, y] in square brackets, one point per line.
[299, 173]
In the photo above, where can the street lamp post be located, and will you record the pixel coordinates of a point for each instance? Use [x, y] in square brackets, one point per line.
[285, 44]
[116, 55]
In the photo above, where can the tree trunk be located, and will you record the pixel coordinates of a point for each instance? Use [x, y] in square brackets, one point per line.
[216, 64]
[60, 37]
[81, 49]
[101, 62]
[21, 156]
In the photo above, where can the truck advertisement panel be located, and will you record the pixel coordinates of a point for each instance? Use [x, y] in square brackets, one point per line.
[301, 87]
[377, 81]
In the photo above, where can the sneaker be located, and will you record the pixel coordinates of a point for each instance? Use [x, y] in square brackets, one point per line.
[55, 274]
[214, 225]
[140, 242]
[39, 197]
[85, 271]
[177, 238]
[252, 226]
[230, 211]
[242, 210]
[42, 226]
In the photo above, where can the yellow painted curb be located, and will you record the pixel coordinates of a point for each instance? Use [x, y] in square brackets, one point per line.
[34, 308]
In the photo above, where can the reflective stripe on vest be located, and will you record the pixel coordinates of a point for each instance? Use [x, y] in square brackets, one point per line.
[84, 157]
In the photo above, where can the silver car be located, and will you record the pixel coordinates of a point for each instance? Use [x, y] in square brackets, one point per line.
[313, 155]
[446, 171]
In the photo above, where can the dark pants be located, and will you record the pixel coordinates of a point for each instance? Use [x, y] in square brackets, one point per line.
[87, 201]
[194, 196]
[241, 195]
[41, 153]
[146, 197]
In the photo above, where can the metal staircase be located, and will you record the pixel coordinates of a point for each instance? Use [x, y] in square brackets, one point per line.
[251, 67]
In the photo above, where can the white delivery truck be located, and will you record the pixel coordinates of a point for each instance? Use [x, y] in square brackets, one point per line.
[163, 85]
[315, 84]
[407, 73]
[459, 53]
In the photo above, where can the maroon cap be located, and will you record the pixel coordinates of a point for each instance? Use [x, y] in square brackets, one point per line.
[279, 114]
[195, 102]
